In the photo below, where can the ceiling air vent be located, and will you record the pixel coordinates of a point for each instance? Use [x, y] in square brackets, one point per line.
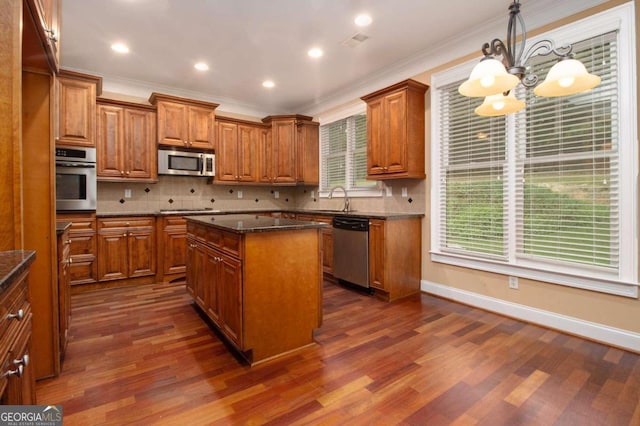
[355, 40]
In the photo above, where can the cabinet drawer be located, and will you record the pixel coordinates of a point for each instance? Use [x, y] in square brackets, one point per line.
[315, 218]
[126, 222]
[14, 300]
[175, 221]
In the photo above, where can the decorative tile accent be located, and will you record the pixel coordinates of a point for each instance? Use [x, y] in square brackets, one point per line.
[272, 191]
[286, 199]
[314, 200]
[147, 190]
[170, 200]
[121, 200]
[231, 191]
[410, 200]
[213, 200]
[192, 190]
[257, 200]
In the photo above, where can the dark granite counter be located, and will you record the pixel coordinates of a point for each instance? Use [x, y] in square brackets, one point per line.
[62, 226]
[12, 264]
[245, 223]
[192, 212]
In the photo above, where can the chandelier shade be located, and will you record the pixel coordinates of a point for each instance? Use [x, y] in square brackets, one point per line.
[496, 105]
[567, 77]
[489, 77]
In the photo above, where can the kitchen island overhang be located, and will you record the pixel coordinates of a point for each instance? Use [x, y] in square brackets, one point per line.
[258, 279]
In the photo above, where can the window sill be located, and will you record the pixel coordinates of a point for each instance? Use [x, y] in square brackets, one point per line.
[600, 284]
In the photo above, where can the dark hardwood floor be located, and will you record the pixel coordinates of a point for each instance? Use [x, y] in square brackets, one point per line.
[144, 356]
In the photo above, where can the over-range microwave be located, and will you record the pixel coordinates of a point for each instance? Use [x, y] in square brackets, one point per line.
[189, 163]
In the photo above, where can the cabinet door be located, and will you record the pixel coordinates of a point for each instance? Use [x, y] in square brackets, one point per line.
[211, 279]
[192, 271]
[172, 124]
[112, 250]
[64, 302]
[201, 127]
[265, 169]
[141, 252]
[375, 137]
[76, 112]
[376, 254]
[308, 154]
[110, 141]
[227, 152]
[327, 250]
[248, 153]
[231, 298]
[284, 153]
[174, 247]
[201, 278]
[140, 147]
[20, 390]
[395, 110]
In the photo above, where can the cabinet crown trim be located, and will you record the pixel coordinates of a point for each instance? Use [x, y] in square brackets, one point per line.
[297, 117]
[84, 77]
[406, 84]
[126, 104]
[155, 97]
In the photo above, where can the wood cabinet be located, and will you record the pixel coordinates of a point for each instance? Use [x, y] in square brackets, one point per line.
[126, 248]
[172, 247]
[126, 147]
[326, 240]
[262, 290]
[45, 17]
[17, 373]
[185, 123]
[83, 265]
[64, 289]
[291, 155]
[394, 256]
[395, 131]
[237, 150]
[76, 108]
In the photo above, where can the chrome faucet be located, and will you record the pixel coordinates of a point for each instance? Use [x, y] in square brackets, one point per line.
[345, 207]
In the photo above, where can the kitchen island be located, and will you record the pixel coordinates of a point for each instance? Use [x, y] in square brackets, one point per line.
[258, 279]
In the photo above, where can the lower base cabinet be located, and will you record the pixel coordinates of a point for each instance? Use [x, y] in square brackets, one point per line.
[172, 245]
[64, 289]
[261, 290]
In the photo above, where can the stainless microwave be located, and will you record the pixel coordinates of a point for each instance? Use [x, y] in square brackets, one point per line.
[186, 163]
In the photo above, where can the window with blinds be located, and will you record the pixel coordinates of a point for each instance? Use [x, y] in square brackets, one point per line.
[343, 151]
[550, 192]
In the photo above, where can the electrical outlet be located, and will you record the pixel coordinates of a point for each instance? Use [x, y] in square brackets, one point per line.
[239, 194]
[127, 193]
[513, 283]
[313, 194]
[276, 194]
[404, 192]
[388, 190]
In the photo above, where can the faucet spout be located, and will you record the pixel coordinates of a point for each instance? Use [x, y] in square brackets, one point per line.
[345, 207]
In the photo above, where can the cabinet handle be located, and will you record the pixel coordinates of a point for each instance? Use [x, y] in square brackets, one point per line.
[24, 361]
[67, 242]
[17, 372]
[186, 143]
[19, 315]
[70, 261]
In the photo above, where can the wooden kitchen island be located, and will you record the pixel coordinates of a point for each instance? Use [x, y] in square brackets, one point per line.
[259, 280]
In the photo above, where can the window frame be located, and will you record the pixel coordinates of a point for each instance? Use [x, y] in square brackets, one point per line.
[625, 281]
[349, 111]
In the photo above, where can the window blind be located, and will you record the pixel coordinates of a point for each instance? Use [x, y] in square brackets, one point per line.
[473, 202]
[567, 198]
[344, 153]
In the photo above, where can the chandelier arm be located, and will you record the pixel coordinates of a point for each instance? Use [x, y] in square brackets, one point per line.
[546, 47]
[523, 41]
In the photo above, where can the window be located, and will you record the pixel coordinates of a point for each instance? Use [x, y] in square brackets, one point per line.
[343, 152]
[542, 193]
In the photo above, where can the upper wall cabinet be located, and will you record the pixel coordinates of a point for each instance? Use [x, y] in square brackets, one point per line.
[395, 131]
[184, 122]
[45, 18]
[76, 101]
[293, 150]
[237, 150]
[126, 142]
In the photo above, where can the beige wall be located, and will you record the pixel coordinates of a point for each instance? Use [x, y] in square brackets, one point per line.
[613, 311]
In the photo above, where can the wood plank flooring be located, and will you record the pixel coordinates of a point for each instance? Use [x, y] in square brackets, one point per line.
[143, 355]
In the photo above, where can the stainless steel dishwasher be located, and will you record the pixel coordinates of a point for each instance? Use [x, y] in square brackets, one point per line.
[351, 250]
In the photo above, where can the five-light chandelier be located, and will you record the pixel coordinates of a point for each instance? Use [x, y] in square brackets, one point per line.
[496, 80]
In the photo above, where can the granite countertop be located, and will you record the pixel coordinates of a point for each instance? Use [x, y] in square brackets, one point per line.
[12, 264]
[62, 226]
[245, 223]
[206, 211]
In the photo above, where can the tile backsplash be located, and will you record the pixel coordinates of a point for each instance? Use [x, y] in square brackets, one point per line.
[182, 192]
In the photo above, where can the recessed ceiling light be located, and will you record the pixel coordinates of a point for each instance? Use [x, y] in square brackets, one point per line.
[201, 66]
[120, 47]
[268, 84]
[363, 20]
[315, 52]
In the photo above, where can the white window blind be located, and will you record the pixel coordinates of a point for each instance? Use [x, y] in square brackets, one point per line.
[567, 166]
[549, 193]
[343, 150]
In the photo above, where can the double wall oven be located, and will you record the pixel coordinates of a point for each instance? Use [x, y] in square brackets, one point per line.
[76, 181]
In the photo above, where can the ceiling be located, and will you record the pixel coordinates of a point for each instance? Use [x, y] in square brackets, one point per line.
[245, 42]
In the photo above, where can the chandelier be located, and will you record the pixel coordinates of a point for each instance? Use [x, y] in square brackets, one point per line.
[495, 79]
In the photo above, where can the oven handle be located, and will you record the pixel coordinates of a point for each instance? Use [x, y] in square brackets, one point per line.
[77, 165]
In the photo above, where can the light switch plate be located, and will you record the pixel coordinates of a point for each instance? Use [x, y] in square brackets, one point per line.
[388, 191]
[127, 193]
[239, 194]
[276, 194]
[404, 191]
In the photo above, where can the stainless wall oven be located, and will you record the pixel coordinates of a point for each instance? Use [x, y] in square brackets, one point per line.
[76, 182]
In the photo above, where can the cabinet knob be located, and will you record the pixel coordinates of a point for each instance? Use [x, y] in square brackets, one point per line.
[70, 261]
[67, 242]
[122, 172]
[124, 235]
[128, 172]
[17, 372]
[19, 315]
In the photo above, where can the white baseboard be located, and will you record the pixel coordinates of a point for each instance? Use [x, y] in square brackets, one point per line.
[602, 333]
